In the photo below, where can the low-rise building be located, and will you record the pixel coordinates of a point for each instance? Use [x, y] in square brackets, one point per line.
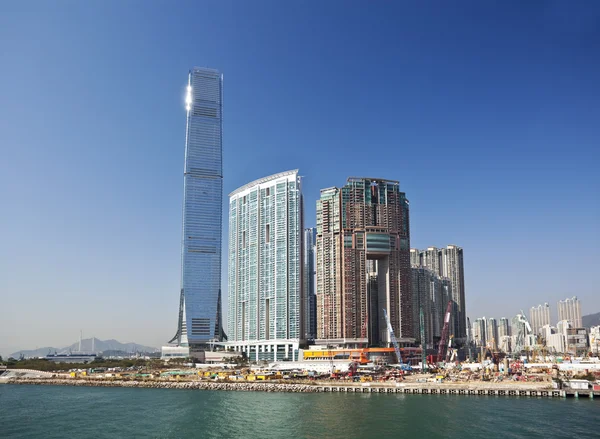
[577, 339]
[555, 343]
[169, 352]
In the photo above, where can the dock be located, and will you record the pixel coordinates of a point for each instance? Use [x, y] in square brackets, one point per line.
[455, 390]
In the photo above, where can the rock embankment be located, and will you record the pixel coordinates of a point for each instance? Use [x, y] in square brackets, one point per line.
[153, 384]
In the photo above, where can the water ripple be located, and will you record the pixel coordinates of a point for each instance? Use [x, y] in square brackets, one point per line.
[83, 412]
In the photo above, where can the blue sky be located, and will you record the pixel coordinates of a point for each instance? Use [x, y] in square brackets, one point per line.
[487, 114]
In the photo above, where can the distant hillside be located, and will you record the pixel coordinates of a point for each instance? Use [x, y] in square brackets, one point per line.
[591, 320]
[86, 346]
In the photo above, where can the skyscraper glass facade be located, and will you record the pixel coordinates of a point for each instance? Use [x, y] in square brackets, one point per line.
[310, 298]
[199, 314]
[266, 316]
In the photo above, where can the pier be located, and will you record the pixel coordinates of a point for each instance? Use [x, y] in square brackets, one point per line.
[456, 390]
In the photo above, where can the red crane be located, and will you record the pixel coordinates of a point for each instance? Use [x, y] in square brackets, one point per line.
[444, 340]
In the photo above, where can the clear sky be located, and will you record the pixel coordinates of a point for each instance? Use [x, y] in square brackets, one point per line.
[488, 115]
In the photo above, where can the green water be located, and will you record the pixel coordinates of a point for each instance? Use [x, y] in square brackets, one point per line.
[86, 412]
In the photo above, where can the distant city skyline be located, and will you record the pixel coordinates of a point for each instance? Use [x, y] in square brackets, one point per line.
[487, 143]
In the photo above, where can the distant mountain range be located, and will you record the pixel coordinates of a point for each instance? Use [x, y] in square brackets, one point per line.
[87, 345]
[591, 320]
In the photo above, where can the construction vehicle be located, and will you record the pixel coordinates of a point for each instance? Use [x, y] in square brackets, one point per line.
[352, 368]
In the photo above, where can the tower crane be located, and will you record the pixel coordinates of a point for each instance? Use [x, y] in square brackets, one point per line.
[423, 344]
[393, 337]
[469, 341]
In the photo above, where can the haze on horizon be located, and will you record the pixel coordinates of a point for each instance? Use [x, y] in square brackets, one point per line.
[487, 114]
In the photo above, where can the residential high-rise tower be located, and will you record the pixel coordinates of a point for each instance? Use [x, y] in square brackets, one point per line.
[266, 315]
[363, 263]
[452, 267]
[491, 335]
[570, 309]
[503, 327]
[200, 298]
[448, 262]
[480, 332]
[539, 316]
[431, 293]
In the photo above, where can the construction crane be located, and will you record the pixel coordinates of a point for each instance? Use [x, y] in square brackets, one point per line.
[523, 328]
[450, 350]
[469, 329]
[393, 337]
[444, 340]
[423, 345]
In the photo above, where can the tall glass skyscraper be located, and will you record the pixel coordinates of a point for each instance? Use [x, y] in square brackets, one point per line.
[200, 300]
[266, 317]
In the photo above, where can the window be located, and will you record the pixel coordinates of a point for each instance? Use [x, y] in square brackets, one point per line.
[268, 191]
[244, 239]
[201, 327]
[244, 200]
[267, 232]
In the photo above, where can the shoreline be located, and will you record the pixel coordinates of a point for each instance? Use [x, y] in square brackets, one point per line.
[155, 384]
[499, 389]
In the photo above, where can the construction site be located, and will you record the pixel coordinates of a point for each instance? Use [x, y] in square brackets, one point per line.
[377, 369]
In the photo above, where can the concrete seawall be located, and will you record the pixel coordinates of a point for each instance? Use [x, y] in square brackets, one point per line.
[152, 384]
[478, 389]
